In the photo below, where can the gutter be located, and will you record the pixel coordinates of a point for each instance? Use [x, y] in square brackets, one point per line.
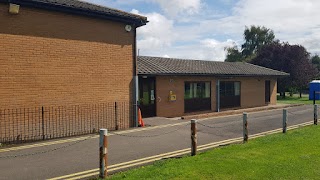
[213, 75]
[73, 10]
[135, 92]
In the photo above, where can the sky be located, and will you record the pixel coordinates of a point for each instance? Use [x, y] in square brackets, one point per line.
[202, 29]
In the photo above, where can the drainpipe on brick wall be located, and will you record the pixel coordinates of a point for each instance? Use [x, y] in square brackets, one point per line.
[218, 95]
[135, 79]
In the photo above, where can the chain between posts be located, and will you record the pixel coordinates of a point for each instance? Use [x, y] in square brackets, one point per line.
[205, 125]
[46, 151]
[149, 136]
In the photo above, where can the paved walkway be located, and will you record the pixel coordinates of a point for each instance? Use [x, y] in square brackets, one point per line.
[79, 158]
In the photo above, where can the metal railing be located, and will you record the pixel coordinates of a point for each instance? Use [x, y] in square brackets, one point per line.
[41, 123]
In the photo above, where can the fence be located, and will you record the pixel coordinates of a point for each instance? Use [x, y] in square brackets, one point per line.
[40, 123]
[247, 125]
[174, 139]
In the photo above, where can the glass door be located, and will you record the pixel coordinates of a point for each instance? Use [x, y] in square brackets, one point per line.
[147, 96]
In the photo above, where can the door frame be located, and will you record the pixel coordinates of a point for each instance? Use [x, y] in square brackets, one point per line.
[229, 99]
[267, 97]
[140, 91]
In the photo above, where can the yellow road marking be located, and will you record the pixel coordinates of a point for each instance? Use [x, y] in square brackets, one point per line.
[136, 162]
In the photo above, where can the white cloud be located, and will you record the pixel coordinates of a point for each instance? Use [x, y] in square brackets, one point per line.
[176, 7]
[294, 21]
[157, 34]
[189, 29]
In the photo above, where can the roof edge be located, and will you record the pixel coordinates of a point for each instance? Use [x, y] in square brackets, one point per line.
[137, 21]
[285, 73]
[215, 75]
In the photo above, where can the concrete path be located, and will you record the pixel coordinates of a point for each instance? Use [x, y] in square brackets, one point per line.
[78, 158]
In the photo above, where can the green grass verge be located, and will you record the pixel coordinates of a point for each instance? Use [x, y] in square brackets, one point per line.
[295, 99]
[295, 155]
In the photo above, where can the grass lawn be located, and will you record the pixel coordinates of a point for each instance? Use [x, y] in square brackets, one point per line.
[295, 155]
[295, 99]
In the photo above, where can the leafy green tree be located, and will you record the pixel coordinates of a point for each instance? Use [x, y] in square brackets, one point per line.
[233, 54]
[316, 62]
[254, 37]
[293, 59]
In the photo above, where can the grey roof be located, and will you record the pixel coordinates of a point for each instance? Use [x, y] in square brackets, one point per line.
[171, 66]
[83, 8]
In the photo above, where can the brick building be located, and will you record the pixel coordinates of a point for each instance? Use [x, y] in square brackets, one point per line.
[175, 87]
[66, 52]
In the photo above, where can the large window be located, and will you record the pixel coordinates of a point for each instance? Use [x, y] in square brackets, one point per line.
[197, 96]
[229, 94]
[229, 88]
[197, 90]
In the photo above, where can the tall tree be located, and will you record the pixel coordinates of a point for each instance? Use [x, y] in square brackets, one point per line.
[233, 54]
[254, 38]
[293, 59]
[316, 62]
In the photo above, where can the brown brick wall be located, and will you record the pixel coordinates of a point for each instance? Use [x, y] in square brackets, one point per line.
[252, 92]
[52, 58]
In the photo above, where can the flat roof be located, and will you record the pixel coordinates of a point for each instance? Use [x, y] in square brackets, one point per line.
[148, 65]
[83, 8]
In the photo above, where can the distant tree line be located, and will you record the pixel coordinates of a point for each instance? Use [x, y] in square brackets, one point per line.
[261, 48]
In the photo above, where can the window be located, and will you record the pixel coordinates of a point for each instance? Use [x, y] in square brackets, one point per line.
[197, 96]
[197, 90]
[229, 88]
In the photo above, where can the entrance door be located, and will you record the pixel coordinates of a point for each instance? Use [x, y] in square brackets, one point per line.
[147, 96]
[267, 92]
[230, 94]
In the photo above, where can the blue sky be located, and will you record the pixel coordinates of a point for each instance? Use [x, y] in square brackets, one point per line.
[201, 29]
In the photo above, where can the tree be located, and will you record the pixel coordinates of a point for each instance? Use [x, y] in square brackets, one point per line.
[233, 54]
[254, 37]
[293, 59]
[316, 62]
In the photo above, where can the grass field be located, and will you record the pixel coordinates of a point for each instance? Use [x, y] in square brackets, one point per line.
[295, 99]
[295, 155]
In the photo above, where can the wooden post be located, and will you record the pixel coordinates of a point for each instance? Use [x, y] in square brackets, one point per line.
[284, 120]
[314, 97]
[193, 137]
[103, 144]
[315, 114]
[245, 127]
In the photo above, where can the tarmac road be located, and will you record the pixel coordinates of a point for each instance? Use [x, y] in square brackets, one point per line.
[59, 159]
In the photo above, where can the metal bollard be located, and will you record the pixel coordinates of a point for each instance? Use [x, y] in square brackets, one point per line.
[245, 127]
[284, 120]
[103, 147]
[315, 114]
[193, 137]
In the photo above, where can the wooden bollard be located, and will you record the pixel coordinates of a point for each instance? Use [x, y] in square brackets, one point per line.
[284, 120]
[193, 137]
[245, 127]
[103, 144]
[315, 114]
